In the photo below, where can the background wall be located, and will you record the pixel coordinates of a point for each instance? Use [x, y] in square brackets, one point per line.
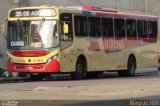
[135, 6]
[4, 7]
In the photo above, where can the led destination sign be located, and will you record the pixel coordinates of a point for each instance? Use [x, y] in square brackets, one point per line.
[33, 13]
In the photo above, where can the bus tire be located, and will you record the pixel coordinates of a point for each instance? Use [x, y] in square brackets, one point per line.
[80, 72]
[158, 67]
[131, 67]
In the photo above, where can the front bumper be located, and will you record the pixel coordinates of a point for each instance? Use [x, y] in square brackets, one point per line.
[53, 67]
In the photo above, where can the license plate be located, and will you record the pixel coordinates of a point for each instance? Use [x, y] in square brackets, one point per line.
[29, 68]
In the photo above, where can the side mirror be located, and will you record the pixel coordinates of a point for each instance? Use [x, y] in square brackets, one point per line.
[3, 27]
[65, 28]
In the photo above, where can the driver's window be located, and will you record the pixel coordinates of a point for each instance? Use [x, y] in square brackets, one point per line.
[66, 30]
[66, 27]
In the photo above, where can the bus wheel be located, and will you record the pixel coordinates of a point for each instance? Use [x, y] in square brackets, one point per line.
[158, 65]
[80, 72]
[131, 67]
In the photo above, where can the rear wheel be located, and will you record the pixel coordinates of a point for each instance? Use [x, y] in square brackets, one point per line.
[131, 67]
[81, 68]
[158, 65]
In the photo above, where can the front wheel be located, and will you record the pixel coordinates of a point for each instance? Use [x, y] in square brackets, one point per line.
[80, 72]
[131, 67]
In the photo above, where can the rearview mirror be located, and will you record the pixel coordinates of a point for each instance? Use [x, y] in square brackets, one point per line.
[65, 28]
[3, 27]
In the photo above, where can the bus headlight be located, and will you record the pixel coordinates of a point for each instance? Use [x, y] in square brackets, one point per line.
[10, 60]
[52, 59]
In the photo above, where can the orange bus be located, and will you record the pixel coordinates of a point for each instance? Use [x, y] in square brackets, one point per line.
[83, 41]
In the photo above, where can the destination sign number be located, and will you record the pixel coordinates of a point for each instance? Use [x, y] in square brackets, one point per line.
[33, 13]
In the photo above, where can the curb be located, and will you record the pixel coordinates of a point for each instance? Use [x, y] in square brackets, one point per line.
[10, 79]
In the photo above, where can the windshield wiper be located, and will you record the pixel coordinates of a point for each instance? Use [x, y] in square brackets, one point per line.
[40, 25]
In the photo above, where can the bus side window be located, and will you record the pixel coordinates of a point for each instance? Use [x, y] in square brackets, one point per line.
[142, 29]
[94, 27]
[119, 28]
[80, 23]
[152, 29]
[107, 27]
[131, 28]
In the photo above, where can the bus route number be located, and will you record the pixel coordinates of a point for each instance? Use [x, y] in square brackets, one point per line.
[21, 13]
[26, 13]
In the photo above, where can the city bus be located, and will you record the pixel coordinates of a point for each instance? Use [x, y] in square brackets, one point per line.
[83, 41]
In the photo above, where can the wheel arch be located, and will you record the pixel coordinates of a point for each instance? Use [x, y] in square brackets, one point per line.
[83, 58]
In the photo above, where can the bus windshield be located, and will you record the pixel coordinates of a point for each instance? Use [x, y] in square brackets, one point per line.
[32, 34]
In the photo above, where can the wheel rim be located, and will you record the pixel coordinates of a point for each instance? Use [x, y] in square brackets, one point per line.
[79, 68]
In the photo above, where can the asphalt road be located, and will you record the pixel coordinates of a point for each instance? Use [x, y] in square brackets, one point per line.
[144, 86]
[11, 84]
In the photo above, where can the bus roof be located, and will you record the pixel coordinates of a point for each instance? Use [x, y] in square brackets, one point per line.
[98, 11]
[110, 12]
